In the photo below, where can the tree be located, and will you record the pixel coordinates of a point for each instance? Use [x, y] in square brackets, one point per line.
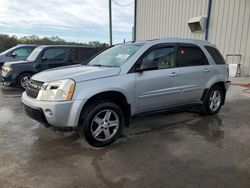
[7, 41]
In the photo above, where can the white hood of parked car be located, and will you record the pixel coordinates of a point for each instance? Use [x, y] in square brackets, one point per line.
[79, 73]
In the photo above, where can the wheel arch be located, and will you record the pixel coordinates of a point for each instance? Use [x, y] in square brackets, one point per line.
[24, 72]
[115, 96]
[218, 83]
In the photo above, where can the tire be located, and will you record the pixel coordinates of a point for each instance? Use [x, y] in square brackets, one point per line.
[101, 123]
[23, 80]
[213, 101]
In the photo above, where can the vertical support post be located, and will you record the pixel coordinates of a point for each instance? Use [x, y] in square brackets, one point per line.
[135, 14]
[208, 18]
[110, 23]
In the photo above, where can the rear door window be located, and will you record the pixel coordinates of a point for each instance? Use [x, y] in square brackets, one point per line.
[216, 55]
[191, 56]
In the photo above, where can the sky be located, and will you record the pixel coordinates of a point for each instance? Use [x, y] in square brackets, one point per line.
[71, 20]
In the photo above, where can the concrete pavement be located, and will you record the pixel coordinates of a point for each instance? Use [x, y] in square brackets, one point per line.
[170, 150]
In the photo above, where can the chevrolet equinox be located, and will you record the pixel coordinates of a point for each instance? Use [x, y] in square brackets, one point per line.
[127, 80]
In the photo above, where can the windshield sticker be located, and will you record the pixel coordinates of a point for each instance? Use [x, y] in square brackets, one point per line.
[122, 56]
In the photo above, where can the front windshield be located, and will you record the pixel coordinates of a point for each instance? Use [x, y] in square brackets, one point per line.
[115, 56]
[34, 54]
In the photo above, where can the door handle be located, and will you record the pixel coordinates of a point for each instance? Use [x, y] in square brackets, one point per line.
[206, 70]
[173, 74]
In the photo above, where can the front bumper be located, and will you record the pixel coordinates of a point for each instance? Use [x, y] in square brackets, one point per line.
[57, 114]
[36, 114]
[8, 79]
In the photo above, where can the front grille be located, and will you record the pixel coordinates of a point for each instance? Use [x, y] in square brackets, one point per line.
[33, 88]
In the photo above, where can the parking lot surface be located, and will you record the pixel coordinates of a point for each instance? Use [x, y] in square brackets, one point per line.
[180, 149]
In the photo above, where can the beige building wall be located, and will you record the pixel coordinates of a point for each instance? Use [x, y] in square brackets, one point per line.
[229, 26]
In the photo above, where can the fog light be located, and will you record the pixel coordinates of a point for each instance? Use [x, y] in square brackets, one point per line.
[6, 83]
[48, 112]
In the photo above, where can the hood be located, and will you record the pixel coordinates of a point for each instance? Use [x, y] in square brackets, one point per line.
[14, 63]
[78, 73]
[2, 59]
[3, 56]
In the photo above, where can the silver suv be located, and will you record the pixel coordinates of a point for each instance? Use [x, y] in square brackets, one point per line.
[127, 80]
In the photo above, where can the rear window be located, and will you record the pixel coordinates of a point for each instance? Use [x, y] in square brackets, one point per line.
[217, 57]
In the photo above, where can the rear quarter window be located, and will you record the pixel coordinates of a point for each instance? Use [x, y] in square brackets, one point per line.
[78, 55]
[216, 55]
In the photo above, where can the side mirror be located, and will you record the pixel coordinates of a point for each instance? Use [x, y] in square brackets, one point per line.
[145, 66]
[13, 54]
[44, 58]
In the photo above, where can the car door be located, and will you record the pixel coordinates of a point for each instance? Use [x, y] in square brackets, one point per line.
[53, 58]
[158, 88]
[194, 72]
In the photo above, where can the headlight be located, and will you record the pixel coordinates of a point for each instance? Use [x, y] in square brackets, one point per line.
[61, 90]
[6, 69]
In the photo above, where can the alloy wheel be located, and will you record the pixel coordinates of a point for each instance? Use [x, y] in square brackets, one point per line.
[105, 125]
[24, 81]
[215, 100]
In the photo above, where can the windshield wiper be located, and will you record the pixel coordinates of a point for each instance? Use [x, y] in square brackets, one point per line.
[100, 65]
[97, 65]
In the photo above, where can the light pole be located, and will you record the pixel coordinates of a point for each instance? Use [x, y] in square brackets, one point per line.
[110, 23]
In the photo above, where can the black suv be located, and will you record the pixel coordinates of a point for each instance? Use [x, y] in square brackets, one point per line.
[44, 57]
